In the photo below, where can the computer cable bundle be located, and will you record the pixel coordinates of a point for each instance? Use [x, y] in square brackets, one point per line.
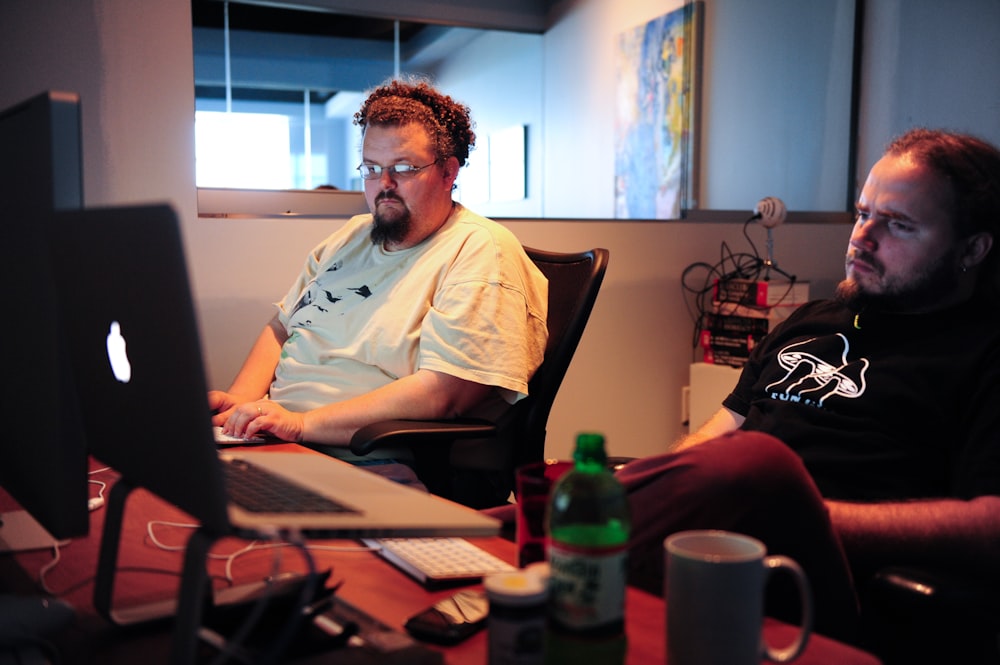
[700, 280]
[295, 613]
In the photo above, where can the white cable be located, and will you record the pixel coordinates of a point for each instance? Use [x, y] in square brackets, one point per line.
[253, 546]
[95, 502]
[92, 504]
[56, 556]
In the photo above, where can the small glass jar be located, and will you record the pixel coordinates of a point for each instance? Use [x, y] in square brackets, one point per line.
[517, 618]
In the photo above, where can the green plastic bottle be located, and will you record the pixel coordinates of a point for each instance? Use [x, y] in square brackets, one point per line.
[588, 529]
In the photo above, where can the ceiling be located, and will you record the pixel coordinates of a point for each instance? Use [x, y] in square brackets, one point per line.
[283, 48]
[277, 20]
[290, 23]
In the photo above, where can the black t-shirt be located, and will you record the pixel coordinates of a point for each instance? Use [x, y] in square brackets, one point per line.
[907, 406]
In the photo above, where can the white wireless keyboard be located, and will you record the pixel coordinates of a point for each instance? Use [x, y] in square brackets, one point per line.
[227, 440]
[438, 562]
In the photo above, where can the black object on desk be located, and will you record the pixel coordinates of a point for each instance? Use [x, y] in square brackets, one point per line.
[327, 624]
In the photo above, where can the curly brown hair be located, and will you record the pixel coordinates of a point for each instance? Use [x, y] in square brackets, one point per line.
[399, 102]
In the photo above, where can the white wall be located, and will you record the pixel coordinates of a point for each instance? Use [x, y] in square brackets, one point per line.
[131, 63]
[472, 78]
[774, 113]
[932, 64]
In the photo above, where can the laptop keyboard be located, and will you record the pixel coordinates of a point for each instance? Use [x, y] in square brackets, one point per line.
[258, 490]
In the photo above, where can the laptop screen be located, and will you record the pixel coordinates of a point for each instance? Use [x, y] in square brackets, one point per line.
[123, 289]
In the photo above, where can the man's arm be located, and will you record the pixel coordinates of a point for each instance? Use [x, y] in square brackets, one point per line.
[958, 534]
[423, 395]
[722, 421]
[254, 378]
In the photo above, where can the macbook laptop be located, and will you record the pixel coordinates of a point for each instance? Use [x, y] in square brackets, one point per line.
[123, 287]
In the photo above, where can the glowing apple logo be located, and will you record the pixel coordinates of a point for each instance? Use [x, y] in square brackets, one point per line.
[120, 365]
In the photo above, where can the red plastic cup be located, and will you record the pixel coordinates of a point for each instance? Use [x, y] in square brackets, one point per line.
[534, 486]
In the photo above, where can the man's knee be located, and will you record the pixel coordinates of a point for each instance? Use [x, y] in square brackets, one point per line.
[752, 463]
[736, 462]
[725, 483]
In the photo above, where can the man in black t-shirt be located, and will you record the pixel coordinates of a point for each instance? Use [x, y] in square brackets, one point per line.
[867, 424]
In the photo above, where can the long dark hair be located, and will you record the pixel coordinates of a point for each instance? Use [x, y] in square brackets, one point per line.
[971, 169]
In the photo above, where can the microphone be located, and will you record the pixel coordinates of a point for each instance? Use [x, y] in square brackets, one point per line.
[770, 211]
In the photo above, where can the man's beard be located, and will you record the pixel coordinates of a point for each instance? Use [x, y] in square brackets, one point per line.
[392, 227]
[931, 285]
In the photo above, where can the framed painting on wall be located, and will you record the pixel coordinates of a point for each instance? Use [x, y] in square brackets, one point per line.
[655, 112]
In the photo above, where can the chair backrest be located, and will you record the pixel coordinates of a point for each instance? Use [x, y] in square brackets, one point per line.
[451, 456]
[574, 281]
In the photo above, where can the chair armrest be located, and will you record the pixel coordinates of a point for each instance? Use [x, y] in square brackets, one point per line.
[916, 614]
[420, 432]
[935, 590]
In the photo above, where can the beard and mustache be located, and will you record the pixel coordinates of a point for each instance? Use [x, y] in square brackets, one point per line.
[390, 225]
[931, 284]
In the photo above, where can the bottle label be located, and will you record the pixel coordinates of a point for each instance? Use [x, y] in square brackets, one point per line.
[587, 586]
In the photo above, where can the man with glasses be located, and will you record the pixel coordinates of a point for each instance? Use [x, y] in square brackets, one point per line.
[421, 309]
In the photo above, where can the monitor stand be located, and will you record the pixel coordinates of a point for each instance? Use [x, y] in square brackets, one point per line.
[19, 532]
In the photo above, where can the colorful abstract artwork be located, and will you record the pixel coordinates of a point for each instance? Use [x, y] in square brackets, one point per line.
[653, 117]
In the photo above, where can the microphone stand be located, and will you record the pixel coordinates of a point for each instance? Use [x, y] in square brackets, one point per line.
[769, 263]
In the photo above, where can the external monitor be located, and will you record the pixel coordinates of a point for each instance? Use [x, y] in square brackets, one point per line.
[43, 454]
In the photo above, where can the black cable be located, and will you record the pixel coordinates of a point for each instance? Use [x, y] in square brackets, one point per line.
[298, 612]
[233, 645]
[699, 296]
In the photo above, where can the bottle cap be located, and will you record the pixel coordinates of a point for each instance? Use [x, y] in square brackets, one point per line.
[590, 445]
[517, 588]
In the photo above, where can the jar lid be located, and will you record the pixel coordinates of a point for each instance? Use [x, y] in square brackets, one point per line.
[517, 588]
[540, 569]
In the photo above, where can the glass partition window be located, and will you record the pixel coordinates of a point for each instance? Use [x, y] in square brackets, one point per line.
[276, 90]
[776, 106]
[249, 150]
[273, 145]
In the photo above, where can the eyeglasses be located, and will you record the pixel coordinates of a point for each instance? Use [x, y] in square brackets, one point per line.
[402, 171]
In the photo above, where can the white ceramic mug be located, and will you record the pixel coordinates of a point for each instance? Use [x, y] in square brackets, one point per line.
[714, 590]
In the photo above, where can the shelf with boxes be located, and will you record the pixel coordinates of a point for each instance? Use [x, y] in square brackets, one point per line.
[742, 312]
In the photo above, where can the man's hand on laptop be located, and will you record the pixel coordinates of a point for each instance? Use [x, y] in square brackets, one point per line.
[263, 417]
[222, 403]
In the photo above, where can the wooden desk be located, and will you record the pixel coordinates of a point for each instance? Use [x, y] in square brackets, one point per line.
[148, 573]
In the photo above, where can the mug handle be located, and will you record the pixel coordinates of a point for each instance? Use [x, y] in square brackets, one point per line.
[795, 649]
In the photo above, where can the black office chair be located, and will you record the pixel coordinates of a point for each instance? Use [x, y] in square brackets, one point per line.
[912, 615]
[472, 461]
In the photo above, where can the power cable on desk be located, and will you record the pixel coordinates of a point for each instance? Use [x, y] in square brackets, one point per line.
[56, 557]
[125, 569]
[93, 503]
[253, 546]
[313, 598]
[229, 647]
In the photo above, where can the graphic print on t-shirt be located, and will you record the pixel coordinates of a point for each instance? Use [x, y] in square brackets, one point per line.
[817, 369]
[322, 299]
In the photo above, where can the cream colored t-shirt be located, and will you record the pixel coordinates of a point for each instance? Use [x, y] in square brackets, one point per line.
[466, 302]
